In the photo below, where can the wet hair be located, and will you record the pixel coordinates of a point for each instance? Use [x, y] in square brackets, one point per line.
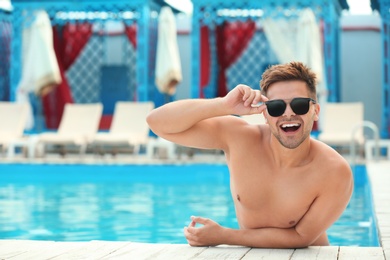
[289, 72]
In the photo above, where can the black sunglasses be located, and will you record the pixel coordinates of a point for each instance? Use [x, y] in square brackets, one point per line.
[299, 105]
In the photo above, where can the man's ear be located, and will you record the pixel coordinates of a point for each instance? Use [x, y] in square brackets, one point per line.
[265, 116]
[317, 111]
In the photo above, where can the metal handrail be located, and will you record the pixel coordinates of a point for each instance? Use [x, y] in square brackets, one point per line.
[375, 131]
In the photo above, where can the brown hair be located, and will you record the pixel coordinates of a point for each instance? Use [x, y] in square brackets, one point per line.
[289, 72]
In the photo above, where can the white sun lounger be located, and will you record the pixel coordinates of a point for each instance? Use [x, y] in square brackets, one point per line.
[340, 122]
[79, 124]
[128, 127]
[13, 120]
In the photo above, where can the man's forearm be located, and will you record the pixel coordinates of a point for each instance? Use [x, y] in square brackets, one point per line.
[178, 116]
[265, 238]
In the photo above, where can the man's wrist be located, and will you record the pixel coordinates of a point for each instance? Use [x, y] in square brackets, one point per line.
[228, 236]
[222, 107]
[219, 107]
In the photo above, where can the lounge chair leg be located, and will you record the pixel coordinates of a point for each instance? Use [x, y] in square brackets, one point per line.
[83, 149]
[39, 149]
[99, 150]
[114, 151]
[62, 151]
[10, 150]
[136, 149]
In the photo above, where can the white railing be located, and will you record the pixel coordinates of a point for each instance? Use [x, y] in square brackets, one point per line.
[375, 131]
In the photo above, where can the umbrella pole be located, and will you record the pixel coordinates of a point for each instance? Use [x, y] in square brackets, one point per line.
[167, 98]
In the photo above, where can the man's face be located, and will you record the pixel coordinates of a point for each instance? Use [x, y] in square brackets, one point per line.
[291, 129]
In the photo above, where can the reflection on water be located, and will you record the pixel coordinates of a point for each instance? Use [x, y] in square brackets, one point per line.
[118, 211]
[128, 203]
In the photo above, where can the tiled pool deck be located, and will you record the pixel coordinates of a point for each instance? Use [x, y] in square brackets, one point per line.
[379, 173]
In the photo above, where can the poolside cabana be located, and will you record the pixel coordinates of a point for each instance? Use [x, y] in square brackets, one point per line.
[254, 54]
[230, 41]
[105, 51]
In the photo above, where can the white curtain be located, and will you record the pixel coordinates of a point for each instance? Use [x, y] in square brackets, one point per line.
[39, 63]
[298, 39]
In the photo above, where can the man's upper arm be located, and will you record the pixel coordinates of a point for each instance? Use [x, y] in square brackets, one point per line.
[328, 206]
[210, 133]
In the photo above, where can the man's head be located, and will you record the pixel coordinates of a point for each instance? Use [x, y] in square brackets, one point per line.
[289, 72]
[291, 108]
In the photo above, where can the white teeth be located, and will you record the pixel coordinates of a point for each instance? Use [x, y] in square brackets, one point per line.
[289, 125]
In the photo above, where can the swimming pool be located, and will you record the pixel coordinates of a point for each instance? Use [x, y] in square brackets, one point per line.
[140, 203]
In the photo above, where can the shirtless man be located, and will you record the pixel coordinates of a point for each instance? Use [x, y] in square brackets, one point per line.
[288, 188]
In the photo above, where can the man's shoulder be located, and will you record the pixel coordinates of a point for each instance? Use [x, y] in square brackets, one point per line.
[331, 162]
[326, 152]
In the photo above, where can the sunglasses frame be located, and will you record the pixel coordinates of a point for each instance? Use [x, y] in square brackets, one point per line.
[293, 108]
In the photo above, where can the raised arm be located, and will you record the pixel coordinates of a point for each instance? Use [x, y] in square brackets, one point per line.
[201, 122]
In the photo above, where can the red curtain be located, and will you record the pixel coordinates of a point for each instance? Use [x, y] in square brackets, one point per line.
[232, 39]
[131, 33]
[67, 49]
[205, 59]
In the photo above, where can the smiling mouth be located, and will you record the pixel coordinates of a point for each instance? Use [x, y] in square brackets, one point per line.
[291, 127]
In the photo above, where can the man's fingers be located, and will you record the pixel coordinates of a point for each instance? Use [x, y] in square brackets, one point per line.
[199, 220]
[253, 98]
[257, 97]
[250, 99]
[247, 92]
[258, 104]
[261, 108]
[191, 230]
[191, 238]
[192, 224]
[187, 231]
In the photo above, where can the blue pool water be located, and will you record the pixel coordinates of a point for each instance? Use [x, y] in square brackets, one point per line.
[141, 203]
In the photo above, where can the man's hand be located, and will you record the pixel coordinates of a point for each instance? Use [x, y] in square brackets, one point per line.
[210, 234]
[243, 100]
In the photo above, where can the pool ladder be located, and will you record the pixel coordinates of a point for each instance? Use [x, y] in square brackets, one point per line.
[375, 131]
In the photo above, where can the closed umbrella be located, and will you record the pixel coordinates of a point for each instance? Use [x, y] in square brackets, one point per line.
[40, 71]
[168, 66]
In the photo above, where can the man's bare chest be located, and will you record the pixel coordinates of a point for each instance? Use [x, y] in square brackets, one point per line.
[266, 200]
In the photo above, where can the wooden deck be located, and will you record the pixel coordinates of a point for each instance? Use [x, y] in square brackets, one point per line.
[379, 173]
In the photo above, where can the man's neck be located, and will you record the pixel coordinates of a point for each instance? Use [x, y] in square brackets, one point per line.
[288, 158]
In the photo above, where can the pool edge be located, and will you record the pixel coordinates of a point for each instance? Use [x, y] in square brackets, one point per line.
[378, 173]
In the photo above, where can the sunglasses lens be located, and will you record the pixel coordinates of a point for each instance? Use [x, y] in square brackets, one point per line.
[276, 108]
[300, 106]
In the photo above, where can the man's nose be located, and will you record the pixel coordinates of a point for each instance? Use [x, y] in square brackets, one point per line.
[288, 112]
